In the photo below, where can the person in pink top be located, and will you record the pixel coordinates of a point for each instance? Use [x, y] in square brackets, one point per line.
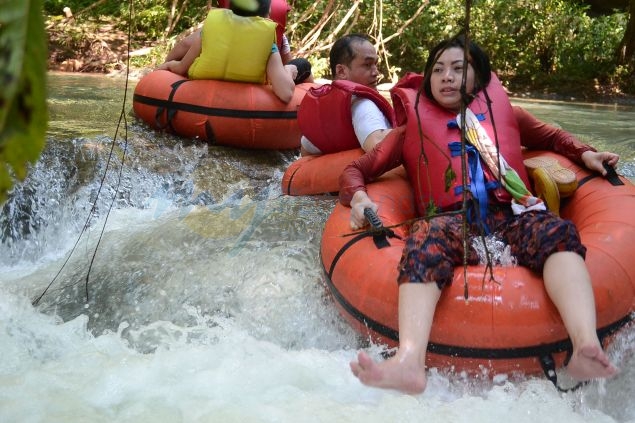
[539, 239]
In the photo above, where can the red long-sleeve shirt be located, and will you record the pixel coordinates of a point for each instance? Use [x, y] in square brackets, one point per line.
[534, 135]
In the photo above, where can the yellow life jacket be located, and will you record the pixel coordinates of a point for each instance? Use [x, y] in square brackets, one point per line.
[234, 48]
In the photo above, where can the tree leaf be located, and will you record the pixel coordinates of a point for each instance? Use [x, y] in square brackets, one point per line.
[23, 111]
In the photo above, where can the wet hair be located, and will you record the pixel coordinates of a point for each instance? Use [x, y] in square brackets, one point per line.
[262, 10]
[342, 53]
[476, 56]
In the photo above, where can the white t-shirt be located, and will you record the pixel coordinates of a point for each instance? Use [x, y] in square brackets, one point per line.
[367, 118]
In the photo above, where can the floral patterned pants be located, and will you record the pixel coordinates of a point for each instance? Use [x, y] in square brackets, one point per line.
[435, 247]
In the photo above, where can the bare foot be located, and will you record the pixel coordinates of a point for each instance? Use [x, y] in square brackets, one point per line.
[402, 374]
[590, 362]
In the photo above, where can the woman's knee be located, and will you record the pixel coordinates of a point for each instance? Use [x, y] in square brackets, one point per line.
[548, 234]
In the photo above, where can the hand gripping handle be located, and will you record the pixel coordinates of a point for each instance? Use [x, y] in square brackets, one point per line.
[372, 218]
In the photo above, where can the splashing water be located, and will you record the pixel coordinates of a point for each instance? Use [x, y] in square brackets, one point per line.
[206, 301]
[498, 252]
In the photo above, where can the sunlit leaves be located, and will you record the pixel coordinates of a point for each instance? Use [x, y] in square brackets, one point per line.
[23, 112]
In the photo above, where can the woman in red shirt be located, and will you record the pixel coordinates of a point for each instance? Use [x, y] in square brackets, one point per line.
[539, 239]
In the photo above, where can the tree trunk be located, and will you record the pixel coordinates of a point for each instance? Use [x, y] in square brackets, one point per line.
[626, 49]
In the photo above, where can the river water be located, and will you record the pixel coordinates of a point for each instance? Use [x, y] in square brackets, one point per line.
[177, 284]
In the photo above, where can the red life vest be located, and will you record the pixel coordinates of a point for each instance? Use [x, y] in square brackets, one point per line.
[439, 129]
[279, 11]
[325, 117]
[278, 14]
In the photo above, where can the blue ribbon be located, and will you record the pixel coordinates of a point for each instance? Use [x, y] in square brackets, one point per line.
[478, 186]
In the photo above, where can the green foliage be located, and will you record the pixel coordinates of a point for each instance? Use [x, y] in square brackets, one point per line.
[320, 67]
[150, 60]
[532, 42]
[23, 112]
[56, 7]
[530, 38]
[151, 17]
[528, 41]
[96, 7]
[152, 21]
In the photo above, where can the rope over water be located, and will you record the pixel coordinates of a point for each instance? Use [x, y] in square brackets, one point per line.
[93, 209]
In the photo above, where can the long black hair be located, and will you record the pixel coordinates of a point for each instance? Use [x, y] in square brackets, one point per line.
[476, 56]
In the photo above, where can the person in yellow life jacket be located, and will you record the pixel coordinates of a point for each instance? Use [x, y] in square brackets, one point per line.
[278, 13]
[237, 44]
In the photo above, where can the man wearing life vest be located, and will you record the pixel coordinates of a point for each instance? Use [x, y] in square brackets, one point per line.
[237, 44]
[349, 113]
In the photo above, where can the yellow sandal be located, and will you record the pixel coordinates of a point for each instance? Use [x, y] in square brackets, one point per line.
[546, 189]
[564, 178]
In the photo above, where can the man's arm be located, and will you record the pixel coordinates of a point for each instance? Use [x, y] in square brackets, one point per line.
[374, 138]
[369, 123]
